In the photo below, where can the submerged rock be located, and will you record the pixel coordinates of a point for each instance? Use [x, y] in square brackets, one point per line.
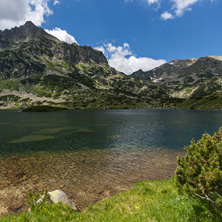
[16, 173]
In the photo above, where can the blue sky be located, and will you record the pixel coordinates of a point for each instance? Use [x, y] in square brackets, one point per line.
[132, 34]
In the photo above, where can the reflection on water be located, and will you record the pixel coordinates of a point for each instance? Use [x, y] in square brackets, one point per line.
[91, 154]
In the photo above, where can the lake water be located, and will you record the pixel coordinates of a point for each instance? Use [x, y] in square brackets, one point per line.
[103, 129]
[92, 154]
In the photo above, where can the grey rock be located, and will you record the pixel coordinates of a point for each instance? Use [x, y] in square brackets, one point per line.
[59, 196]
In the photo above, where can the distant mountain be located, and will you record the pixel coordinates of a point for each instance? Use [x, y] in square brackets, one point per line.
[38, 69]
[190, 79]
[141, 75]
[180, 73]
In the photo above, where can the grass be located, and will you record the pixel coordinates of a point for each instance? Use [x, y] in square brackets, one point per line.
[146, 201]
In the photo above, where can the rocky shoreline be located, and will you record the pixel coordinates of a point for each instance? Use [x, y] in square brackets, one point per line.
[85, 176]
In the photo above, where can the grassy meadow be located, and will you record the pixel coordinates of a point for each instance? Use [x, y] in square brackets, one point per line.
[146, 201]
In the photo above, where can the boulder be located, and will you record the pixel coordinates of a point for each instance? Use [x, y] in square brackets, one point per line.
[59, 196]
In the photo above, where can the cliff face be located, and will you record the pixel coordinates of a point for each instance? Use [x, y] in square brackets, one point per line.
[36, 68]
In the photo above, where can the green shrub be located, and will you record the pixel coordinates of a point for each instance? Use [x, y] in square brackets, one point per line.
[199, 172]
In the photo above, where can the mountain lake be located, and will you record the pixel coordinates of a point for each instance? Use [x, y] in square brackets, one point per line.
[92, 154]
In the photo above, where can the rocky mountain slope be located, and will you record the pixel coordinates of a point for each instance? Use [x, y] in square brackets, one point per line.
[198, 81]
[38, 69]
[180, 73]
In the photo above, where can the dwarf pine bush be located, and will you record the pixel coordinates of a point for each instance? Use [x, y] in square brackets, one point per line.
[199, 172]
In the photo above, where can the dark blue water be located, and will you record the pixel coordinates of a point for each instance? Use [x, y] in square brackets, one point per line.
[22, 133]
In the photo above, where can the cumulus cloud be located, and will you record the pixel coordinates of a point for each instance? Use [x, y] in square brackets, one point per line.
[56, 2]
[177, 9]
[17, 12]
[100, 48]
[166, 16]
[62, 35]
[181, 6]
[150, 2]
[123, 59]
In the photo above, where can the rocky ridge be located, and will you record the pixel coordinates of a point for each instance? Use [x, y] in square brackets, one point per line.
[191, 79]
[179, 73]
[38, 69]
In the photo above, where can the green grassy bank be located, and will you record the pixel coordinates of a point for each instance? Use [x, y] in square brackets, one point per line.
[146, 201]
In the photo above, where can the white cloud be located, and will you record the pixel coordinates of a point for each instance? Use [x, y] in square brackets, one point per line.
[180, 6]
[100, 48]
[17, 12]
[56, 2]
[166, 16]
[62, 35]
[150, 2]
[123, 59]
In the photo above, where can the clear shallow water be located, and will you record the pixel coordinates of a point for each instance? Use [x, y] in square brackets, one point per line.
[92, 154]
[24, 133]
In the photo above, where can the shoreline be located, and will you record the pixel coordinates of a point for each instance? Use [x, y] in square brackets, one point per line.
[85, 176]
[130, 108]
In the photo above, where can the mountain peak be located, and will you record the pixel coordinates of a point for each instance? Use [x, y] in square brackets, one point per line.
[31, 28]
[216, 57]
[29, 24]
[30, 44]
[23, 33]
[183, 63]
